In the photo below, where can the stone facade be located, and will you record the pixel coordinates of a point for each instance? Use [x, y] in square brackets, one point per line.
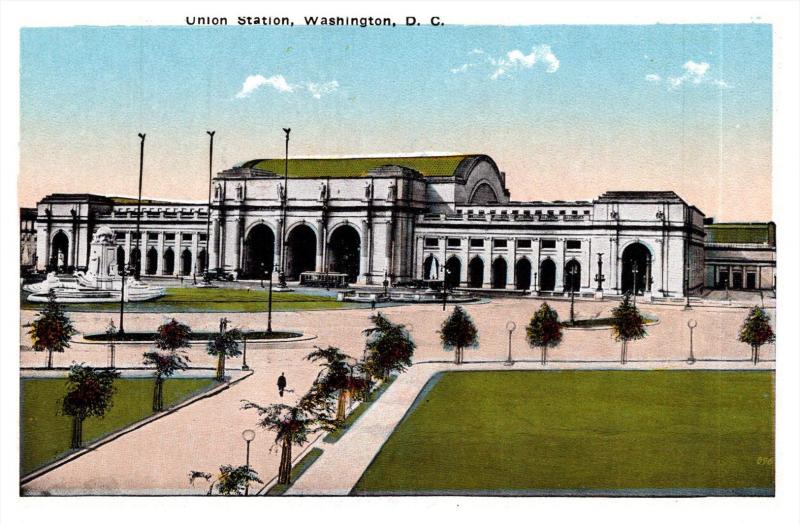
[403, 218]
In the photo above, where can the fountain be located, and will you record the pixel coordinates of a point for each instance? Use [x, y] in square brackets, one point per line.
[101, 282]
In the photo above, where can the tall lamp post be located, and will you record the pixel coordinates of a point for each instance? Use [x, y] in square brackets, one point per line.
[285, 203]
[245, 367]
[691, 324]
[634, 271]
[269, 303]
[573, 272]
[510, 327]
[599, 278]
[138, 262]
[248, 435]
[207, 275]
[123, 273]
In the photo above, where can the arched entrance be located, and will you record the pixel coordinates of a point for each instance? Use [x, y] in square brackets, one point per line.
[430, 269]
[301, 251]
[186, 262]
[201, 262]
[522, 271]
[134, 261]
[169, 262]
[58, 251]
[152, 261]
[452, 272]
[475, 272]
[572, 282]
[636, 261]
[120, 261]
[499, 273]
[547, 275]
[344, 252]
[259, 251]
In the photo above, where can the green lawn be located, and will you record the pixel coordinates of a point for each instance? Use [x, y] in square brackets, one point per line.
[534, 432]
[181, 299]
[45, 435]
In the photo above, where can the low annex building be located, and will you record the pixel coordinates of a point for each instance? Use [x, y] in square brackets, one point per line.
[448, 218]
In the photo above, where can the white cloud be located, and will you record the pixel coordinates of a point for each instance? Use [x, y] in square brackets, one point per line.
[512, 61]
[652, 77]
[325, 88]
[696, 73]
[280, 84]
[516, 59]
[253, 82]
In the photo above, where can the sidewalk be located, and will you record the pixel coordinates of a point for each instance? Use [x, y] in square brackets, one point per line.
[341, 465]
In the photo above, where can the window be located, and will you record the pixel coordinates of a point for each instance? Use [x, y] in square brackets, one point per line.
[186, 236]
[586, 212]
[119, 235]
[573, 244]
[475, 242]
[551, 212]
[453, 242]
[152, 236]
[431, 242]
[562, 212]
[527, 212]
[500, 242]
[548, 244]
[574, 212]
[524, 244]
[538, 212]
[169, 236]
[203, 237]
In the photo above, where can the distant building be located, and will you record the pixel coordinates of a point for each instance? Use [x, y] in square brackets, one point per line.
[27, 238]
[402, 218]
[740, 255]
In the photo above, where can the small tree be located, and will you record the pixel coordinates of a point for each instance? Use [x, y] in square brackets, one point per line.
[338, 378]
[52, 330]
[223, 345]
[628, 325]
[166, 364]
[458, 332]
[544, 330]
[756, 331]
[229, 480]
[294, 425]
[173, 335]
[89, 394]
[389, 348]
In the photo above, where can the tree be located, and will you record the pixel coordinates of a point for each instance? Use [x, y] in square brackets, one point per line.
[544, 330]
[89, 394]
[756, 331]
[294, 425]
[166, 364]
[173, 335]
[628, 325]
[223, 345]
[338, 378]
[389, 348]
[458, 332]
[52, 330]
[229, 480]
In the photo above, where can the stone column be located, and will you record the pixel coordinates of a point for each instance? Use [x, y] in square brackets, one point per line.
[420, 260]
[511, 272]
[213, 247]
[278, 255]
[363, 267]
[535, 264]
[321, 246]
[389, 244]
[71, 247]
[237, 243]
[560, 260]
[160, 250]
[178, 258]
[195, 251]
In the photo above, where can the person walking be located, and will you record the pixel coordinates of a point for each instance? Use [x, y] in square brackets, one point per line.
[281, 384]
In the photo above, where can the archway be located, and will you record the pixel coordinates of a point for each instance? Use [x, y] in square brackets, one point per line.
[301, 251]
[120, 260]
[186, 262]
[152, 261]
[483, 194]
[547, 275]
[169, 262]
[58, 251]
[572, 282]
[475, 272]
[499, 273]
[344, 252]
[134, 260]
[430, 268]
[201, 262]
[452, 272]
[259, 251]
[636, 262]
[523, 273]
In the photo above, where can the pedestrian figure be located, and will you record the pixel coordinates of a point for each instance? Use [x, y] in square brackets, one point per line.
[373, 303]
[281, 384]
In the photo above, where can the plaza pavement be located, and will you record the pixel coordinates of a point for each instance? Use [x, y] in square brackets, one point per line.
[157, 458]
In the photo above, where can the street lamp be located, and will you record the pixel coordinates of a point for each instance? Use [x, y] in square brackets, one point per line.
[245, 367]
[207, 273]
[248, 435]
[510, 327]
[634, 271]
[269, 307]
[692, 324]
[122, 300]
[138, 262]
[573, 272]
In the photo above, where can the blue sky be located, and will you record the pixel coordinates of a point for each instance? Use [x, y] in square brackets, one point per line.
[566, 111]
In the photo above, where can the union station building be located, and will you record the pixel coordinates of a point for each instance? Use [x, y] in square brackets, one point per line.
[438, 218]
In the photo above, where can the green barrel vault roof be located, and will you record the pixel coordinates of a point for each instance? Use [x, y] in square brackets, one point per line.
[753, 233]
[430, 166]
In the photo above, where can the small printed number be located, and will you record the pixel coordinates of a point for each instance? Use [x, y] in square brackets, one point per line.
[765, 461]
